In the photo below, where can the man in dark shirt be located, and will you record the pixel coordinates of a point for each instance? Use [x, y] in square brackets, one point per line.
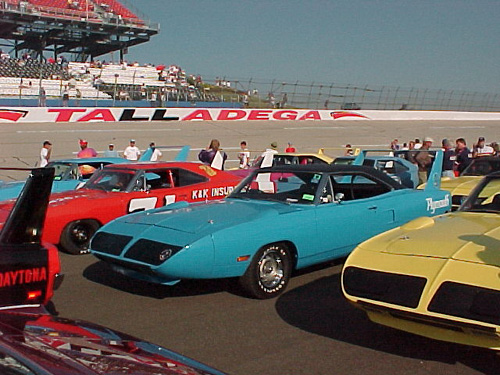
[449, 158]
[462, 152]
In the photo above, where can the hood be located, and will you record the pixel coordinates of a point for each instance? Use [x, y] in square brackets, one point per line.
[78, 347]
[460, 185]
[209, 217]
[464, 236]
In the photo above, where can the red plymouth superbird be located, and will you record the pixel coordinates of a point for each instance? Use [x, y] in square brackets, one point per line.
[118, 189]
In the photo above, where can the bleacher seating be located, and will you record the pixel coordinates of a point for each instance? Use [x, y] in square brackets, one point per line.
[117, 8]
[23, 77]
[92, 10]
[30, 68]
[14, 87]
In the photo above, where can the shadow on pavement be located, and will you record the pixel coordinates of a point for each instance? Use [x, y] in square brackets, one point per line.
[101, 273]
[320, 308]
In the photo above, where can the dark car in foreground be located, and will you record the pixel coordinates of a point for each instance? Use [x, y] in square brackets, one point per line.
[37, 343]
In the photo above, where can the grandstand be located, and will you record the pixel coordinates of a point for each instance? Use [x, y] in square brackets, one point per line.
[84, 28]
[50, 49]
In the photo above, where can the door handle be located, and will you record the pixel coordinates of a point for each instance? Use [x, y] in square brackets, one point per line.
[372, 208]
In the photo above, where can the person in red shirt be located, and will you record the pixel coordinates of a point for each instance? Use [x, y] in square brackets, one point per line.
[290, 148]
[85, 151]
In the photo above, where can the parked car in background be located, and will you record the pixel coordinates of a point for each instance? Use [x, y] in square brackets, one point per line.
[278, 219]
[284, 159]
[398, 168]
[461, 187]
[435, 277]
[120, 189]
[69, 174]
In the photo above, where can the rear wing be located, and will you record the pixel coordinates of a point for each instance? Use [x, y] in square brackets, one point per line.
[181, 155]
[25, 221]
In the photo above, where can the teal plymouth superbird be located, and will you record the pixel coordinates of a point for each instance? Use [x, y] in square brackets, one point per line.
[276, 220]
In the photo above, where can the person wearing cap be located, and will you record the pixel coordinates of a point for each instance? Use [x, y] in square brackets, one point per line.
[111, 152]
[449, 158]
[290, 148]
[85, 151]
[424, 159]
[45, 153]
[481, 149]
[132, 152]
[268, 155]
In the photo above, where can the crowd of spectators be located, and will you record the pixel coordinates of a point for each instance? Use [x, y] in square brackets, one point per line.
[456, 157]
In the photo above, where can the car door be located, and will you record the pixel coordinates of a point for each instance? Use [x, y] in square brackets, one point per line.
[357, 210]
[151, 189]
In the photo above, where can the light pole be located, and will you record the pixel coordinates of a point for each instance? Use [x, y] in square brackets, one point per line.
[114, 91]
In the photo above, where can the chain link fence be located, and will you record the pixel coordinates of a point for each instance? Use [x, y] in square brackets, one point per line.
[296, 94]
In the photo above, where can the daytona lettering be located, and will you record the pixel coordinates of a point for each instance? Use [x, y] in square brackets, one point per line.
[11, 278]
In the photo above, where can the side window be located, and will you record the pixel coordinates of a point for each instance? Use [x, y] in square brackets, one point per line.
[185, 177]
[159, 179]
[327, 195]
[357, 186]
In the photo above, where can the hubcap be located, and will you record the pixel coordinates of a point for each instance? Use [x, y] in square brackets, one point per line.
[80, 234]
[270, 269]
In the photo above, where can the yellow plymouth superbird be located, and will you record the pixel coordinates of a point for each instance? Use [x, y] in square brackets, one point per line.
[461, 187]
[436, 277]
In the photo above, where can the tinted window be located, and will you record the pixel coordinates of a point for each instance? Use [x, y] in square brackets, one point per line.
[482, 167]
[485, 198]
[357, 186]
[110, 180]
[289, 187]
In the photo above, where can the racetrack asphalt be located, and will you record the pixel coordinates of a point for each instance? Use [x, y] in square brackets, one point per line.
[310, 329]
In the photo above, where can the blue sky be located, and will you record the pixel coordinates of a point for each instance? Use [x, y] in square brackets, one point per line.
[444, 44]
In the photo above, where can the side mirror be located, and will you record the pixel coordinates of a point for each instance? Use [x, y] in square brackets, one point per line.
[339, 197]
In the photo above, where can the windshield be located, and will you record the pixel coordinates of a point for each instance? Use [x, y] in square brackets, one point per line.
[482, 167]
[485, 198]
[289, 187]
[111, 180]
[64, 171]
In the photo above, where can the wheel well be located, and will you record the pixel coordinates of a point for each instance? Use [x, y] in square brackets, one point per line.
[291, 248]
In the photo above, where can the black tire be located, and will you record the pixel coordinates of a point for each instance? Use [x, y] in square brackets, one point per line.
[75, 237]
[269, 272]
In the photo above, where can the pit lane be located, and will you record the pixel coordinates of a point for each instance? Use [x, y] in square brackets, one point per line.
[310, 329]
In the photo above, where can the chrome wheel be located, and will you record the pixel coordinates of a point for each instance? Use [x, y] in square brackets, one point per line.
[271, 270]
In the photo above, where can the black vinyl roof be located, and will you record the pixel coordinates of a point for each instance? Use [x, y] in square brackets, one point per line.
[342, 168]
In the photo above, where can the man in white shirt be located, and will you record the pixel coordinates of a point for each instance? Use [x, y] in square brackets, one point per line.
[244, 155]
[156, 155]
[268, 155]
[481, 149]
[45, 153]
[132, 152]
